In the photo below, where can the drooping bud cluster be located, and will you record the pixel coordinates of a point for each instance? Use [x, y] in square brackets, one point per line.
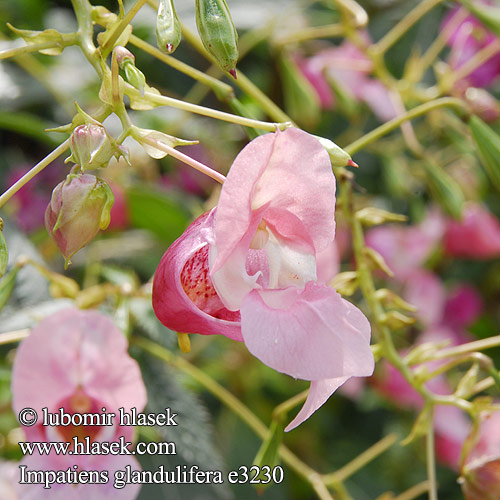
[217, 32]
[168, 27]
[79, 208]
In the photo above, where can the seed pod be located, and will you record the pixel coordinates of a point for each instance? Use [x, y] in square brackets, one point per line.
[488, 145]
[168, 27]
[217, 32]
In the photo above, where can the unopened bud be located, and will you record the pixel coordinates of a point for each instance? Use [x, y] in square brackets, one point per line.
[371, 216]
[378, 261]
[168, 27]
[133, 75]
[123, 55]
[481, 479]
[396, 320]
[345, 283]
[79, 208]
[217, 32]
[338, 156]
[482, 104]
[90, 147]
[389, 298]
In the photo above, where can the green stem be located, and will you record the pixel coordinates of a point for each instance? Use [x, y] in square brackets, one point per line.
[360, 461]
[414, 491]
[479, 58]
[68, 39]
[83, 12]
[234, 404]
[392, 36]
[222, 90]
[431, 464]
[393, 124]
[34, 171]
[183, 157]
[477, 345]
[113, 37]
[267, 105]
[212, 113]
[14, 336]
[291, 403]
[311, 33]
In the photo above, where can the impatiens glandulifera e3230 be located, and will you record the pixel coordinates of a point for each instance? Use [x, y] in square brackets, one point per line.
[249, 269]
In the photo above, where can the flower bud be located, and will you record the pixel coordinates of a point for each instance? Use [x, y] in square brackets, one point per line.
[90, 147]
[480, 476]
[168, 27]
[79, 207]
[481, 480]
[217, 32]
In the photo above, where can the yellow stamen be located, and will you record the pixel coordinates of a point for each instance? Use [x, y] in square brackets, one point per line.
[184, 342]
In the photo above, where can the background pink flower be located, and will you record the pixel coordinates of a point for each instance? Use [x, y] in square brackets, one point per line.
[77, 360]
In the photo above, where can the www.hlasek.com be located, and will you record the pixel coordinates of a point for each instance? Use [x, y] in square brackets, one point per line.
[86, 446]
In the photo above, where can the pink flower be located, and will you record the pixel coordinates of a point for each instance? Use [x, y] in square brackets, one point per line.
[248, 269]
[477, 236]
[481, 473]
[78, 361]
[466, 40]
[349, 68]
[8, 479]
[406, 248]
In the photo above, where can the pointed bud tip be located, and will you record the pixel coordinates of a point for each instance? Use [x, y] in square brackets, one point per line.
[232, 72]
[170, 47]
[351, 163]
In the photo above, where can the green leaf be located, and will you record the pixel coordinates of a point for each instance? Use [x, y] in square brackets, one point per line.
[444, 188]
[158, 212]
[268, 453]
[4, 252]
[301, 100]
[488, 145]
[7, 284]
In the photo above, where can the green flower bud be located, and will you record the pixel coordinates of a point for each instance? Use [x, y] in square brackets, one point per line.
[79, 208]
[217, 32]
[90, 147]
[168, 27]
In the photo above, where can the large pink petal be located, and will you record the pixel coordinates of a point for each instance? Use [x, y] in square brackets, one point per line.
[310, 334]
[319, 392]
[71, 349]
[184, 270]
[287, 170]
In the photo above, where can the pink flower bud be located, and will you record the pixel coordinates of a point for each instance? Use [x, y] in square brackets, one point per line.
[79, 207]
[90, 147]
[481, 480]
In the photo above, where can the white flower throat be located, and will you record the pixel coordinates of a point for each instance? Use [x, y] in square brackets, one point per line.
[287, 265]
